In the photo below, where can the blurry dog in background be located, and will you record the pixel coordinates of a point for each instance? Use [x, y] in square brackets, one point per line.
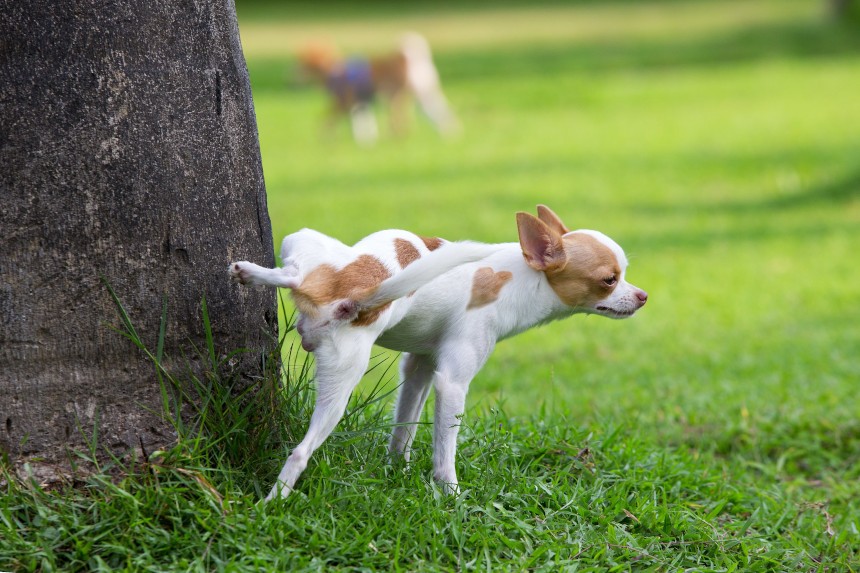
[396, 78]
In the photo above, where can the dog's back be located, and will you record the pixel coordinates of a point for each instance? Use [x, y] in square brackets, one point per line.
[378, 270]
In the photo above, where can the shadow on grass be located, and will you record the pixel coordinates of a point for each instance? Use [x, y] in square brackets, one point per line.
[839, 190]
[739, 235]
[835, 192]
[807, 448]
[313, 10]
[798, 40]
[756, 221]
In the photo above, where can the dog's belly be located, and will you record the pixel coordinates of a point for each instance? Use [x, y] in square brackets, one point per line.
[428, 315]
[412, 334]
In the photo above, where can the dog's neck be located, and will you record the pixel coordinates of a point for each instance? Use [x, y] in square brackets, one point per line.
[528, 300]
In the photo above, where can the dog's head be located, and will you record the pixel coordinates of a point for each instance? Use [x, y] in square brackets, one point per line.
[318, 59]
[584, 268]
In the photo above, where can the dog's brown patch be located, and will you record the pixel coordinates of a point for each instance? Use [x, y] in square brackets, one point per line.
[355, 281]
[389, 74]
[406, 252]
[486, 285]
[579, 282]
[432, 243]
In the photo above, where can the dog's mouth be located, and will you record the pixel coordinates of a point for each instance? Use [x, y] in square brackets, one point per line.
[614, 313]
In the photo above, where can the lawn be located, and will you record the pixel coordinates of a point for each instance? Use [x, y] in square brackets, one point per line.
[718, 430]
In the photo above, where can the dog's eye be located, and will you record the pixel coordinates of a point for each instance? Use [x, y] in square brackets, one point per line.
[610, 281]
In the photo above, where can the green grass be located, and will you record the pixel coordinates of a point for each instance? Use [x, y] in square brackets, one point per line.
[719, 430]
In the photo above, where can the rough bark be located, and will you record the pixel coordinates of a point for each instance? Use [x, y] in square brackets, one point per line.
[128, 150]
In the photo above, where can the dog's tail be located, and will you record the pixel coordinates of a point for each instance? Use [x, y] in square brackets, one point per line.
[424, 270]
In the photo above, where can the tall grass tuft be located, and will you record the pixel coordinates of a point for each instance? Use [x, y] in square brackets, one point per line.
[238, 430]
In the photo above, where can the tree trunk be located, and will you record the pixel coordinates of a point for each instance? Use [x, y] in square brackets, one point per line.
[128, 151]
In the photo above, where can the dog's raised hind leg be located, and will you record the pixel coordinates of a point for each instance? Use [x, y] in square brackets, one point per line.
[247, 273]
[339, 369]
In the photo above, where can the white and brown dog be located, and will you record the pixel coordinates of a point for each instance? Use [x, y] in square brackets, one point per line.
[396, 78]
[444, 304]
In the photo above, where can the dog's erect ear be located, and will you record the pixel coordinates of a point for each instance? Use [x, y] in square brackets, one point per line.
[542, 246]
[552, 220]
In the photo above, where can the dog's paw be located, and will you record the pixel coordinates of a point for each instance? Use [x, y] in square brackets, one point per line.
[279, 491]
[240, 272]
[447, 483]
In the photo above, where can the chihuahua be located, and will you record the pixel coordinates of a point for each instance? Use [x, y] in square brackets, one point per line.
[396, 78]
[444, 304]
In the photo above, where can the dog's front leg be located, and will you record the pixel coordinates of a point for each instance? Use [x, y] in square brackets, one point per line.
[364, 128]
[416, 373]
[456, 368]
[341, 361]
